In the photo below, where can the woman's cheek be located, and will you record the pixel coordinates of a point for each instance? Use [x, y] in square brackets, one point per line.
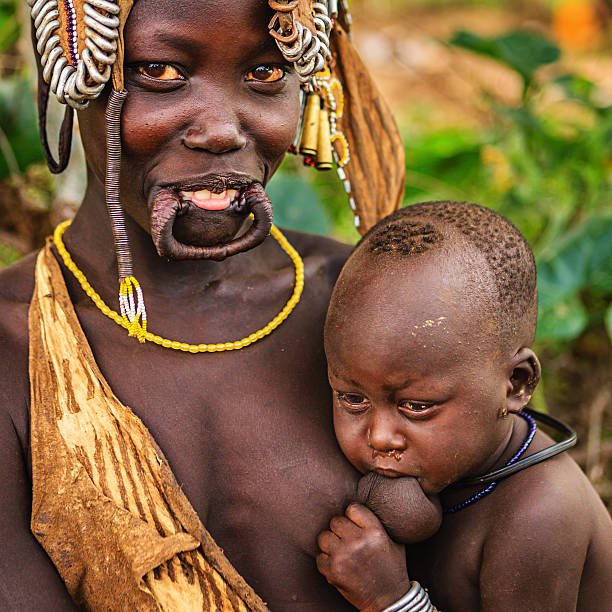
[145, 129]
[276, 130]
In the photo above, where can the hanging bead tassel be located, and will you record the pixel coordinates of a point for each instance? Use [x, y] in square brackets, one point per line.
[310, 129]
[131, 301]
[324, 150]
[132, 308]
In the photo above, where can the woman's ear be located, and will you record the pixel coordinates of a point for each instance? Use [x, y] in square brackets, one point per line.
[525, 372]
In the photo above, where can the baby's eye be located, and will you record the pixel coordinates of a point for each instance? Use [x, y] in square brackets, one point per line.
[266, 74]
[414, 406]
[350, 398]
[352, 401]
[161, 72]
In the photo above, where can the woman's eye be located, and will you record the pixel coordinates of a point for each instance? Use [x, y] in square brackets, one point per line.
[161, 72]
[415, 406]
[266, 74]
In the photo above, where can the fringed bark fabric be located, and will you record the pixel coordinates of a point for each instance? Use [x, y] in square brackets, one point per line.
[105, 505]
[377, 165]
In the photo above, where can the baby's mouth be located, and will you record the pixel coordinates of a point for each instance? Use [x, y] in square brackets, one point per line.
[210, 200]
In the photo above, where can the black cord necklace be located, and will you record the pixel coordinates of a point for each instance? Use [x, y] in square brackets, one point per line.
[516, 464]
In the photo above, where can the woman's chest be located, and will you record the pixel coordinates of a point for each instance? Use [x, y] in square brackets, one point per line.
[249, 437]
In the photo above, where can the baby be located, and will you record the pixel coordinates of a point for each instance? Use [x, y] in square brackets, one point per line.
[428, 340]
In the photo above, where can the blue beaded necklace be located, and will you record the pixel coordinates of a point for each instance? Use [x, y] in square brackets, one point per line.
[516, 457]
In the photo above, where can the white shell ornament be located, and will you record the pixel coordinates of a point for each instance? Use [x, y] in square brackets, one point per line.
[77, 48]
[308, 52]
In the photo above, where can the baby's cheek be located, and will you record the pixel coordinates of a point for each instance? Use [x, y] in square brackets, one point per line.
[352, 439]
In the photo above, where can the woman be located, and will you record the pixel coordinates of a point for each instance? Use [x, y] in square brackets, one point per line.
[213, 103]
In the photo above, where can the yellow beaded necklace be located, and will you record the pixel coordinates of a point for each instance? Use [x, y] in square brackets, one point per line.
[183, 346]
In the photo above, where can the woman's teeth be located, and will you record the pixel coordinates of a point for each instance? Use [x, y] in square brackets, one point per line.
[209, 200]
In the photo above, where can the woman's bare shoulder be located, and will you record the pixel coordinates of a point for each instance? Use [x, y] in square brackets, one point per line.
[324, 254]
[17, 282]
[16, 287]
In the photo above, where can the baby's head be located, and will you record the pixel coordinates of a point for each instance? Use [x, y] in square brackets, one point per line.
[427, 340]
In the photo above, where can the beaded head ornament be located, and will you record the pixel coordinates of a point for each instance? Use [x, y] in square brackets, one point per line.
[79, 44]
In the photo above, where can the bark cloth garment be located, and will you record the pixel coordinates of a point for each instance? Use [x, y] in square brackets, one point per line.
[105, 504]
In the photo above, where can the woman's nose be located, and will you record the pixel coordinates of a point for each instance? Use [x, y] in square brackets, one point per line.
[385, 434]
[215, 131]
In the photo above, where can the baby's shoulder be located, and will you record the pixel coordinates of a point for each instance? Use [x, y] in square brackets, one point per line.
[550, 523]
[551, 507]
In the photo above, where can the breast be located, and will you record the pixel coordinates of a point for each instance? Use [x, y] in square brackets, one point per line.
[249, 437]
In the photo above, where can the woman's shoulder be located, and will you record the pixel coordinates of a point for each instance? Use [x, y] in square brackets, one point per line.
[16, 287]
[17, 282]
[324, 255]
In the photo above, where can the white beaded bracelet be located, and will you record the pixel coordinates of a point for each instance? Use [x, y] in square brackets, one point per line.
[415, 600]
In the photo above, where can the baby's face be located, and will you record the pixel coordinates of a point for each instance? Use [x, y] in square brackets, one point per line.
[418, 385]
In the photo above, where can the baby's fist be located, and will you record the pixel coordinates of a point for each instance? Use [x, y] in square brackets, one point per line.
[361, 561]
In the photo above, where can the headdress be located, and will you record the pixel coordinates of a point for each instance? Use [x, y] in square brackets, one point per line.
[80, 47]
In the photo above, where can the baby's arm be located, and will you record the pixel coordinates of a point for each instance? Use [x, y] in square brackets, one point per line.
[361, 561]
[533, 564]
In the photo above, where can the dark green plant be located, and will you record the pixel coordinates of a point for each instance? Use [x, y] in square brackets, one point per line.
[19, 142]
[9, 24]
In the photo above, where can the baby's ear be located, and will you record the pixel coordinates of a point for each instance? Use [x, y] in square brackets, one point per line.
[525, 375]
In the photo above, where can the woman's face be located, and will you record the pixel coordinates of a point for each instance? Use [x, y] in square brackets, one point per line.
[212, 107]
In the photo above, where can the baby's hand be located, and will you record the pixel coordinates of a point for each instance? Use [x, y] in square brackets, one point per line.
[361, 561]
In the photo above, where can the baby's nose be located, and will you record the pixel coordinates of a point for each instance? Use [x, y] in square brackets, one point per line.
[385, 434]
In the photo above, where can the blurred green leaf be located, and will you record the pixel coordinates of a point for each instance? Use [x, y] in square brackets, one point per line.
[439, 164]
[522, 51]
[576, 87]
[582, 258]
[9, 25]
[581, 261]
[562, 320]
[8, 255]
[18, 121]
[608, 321]
[297, 205]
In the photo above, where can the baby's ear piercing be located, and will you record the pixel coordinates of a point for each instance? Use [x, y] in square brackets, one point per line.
[503, 412]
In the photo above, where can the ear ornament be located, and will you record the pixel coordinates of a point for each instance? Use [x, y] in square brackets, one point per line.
[77, 43]
[344, 118]
[308, 52]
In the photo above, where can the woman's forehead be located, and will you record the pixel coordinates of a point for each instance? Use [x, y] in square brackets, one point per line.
[228, 27]
[228, 14]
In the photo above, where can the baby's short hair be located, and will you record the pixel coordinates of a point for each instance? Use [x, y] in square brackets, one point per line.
[427, 226]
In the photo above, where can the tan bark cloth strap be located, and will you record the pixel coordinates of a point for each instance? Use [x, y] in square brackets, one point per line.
[105, 504]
